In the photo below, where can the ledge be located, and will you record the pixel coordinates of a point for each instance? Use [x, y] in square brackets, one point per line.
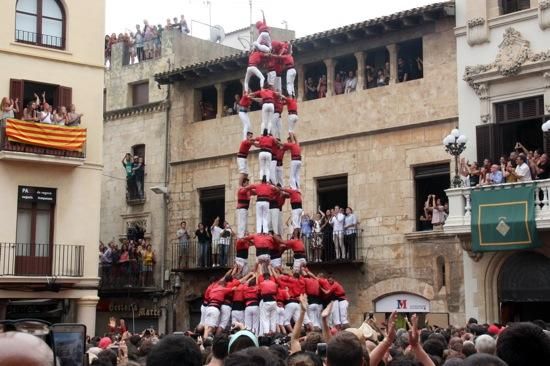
[38, 158]
[136, 110]
[428, 235]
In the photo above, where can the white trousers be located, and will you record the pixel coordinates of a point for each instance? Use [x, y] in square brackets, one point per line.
[290, 76]
[265, 164]
[292, 312]
[246, 123]
[296, 214]
[335, 314]
[267, 117]
[242, 221]
[339, 247]
[252, 319]
[262, 216]
[237, 316]
[314, 314]
[280, 315]
[274, 215]
[268, 317]
[203, 314]
[253, 70]
[212, 316]
[273, 171]
[295, 167]
[343, 309]
[225, 316]
[298, 264]
[281, 222]
[278, 85]
[271, 76]
[292, 119]
[279, 171]
[242, 165]
[276, 125]
[242, 264]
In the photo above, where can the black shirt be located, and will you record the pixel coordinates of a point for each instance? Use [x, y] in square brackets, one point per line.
[402, 70]
[546, 170]
[203, 236]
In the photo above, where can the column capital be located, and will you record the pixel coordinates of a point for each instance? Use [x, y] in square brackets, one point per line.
[329, 62]
[88, 301]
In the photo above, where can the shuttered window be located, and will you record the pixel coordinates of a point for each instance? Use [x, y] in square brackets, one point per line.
[56, 95]
[140, 93]
[518, 110]
[511, 6]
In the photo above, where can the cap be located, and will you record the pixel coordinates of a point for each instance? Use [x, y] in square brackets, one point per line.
[245, 333]
[105, 342]
[494, 330]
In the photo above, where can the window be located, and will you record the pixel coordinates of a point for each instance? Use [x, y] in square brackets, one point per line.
[140, 93]
[511, 6]
[139, 150]
[206, 106]
[429, 180]
[40, 22]
[440, 279]
[410, 60]
[377, 68]
[212, 201]
[313, 75]
[332, 191]
[24, 90]
[231, 89]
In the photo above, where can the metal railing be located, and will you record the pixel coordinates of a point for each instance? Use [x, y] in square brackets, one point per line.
[33, 259]
[38, 39]
[149, 50]
[331, 248]
[195, 255]
[6, 145]
[126, 275]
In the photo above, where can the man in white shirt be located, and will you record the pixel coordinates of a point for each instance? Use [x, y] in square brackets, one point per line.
[183, 238]
[350, 233]
[337, 222]
[522, 172]
[216, 232]
[351, 83]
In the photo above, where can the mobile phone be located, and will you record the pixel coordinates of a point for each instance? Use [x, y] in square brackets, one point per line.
[322, 350]
[69, 343]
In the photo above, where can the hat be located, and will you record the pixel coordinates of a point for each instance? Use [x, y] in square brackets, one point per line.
[245, 333]
[105, 342]
[494, 329]
[368, 332]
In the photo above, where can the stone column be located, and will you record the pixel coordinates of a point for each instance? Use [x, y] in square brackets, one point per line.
[330, 64]
[360, 57]
[219, 95]
[86, 311]
[393, 50]
[3, 308]
[300, 76]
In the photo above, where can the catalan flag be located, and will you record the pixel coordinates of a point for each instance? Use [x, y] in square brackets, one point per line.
[46, 135]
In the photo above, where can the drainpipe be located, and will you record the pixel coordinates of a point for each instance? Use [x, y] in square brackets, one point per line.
[166, 197]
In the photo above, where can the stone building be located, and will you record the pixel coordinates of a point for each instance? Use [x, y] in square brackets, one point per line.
[136, 121]
[377, 149]
[50, 176]
[503, 76]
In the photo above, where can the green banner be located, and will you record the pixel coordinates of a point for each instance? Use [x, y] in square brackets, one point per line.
[504, 218]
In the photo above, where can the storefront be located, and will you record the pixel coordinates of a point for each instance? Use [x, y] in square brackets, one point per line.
[139, 314]
[407, 304]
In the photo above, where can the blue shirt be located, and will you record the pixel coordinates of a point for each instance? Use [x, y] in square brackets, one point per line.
[496, 177]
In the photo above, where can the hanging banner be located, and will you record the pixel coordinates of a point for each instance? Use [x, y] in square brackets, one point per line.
[504, 218]
[46, 135]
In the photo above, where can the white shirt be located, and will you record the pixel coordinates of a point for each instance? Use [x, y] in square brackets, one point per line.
[45, 117]
[337, 222]
[523, 173]
[350, 220]
[216, 232]
[351, 84]
[227, 239]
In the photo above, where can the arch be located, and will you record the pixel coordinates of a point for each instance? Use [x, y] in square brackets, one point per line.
[525, 276]
[41, 22]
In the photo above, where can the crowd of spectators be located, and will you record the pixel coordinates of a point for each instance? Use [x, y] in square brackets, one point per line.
[389, 343]
[521, 165]
[39, 110]
[131, 264]
[145, 43]
[434, 214]
[135, 176]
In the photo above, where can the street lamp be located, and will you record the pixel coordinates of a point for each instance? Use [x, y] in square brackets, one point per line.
[455, 144]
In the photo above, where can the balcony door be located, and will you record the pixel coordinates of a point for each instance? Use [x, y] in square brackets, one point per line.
[34, 241]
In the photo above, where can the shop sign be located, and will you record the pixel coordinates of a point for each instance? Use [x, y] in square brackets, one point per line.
[125, 309]
[36, 194]
[402, 303]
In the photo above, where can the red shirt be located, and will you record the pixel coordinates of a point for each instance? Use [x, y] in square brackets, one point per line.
[266, 142]
[268, 287]
[218, 293]
[337, 290]
[296, 286]
[243, 198]
[245, 101]
[281, 200]
[244, 148]
[263, 242]
[279, 155]
[288, 61]
[296, 245]
[291, 105]
[263, 190]
[295, 195]
[312, 286]
[250, 294]
[267, 95]
[207, 292]
[279, 105]
[276, 150]
[242, 244]
[255, 58]
[283, 295]
[238, 294]
[295, 150]
[277, 47]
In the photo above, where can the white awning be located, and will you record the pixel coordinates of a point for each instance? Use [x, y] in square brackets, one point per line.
[402, 303]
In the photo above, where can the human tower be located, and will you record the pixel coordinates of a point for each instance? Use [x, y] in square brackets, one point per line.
[266, 300]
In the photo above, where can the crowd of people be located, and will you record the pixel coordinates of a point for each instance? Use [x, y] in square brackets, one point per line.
[130, 265]
[145, 43]
[521, 165]
[135, 176]
[39, 110]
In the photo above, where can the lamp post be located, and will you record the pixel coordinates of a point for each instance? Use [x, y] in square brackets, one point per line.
[455, 144]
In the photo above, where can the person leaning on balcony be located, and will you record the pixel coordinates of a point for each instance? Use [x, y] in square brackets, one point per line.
[351, 83]
[495, 175]
[8, 108]
[350, 233]
[183, 240]
[522, 171]
[73, 118]
[139, 175]
[203, 237]
[148, 262]
[541, 168]
[127, 163]
[216, 232]
[60, 117]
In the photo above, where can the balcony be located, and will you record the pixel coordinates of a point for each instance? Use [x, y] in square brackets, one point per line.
[126, 277]
[42, 40]
[201, 257]
[21, 148]
[41, 260]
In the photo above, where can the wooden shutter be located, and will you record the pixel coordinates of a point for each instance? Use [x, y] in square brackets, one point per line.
[488, 142]
[64, 97]
[17, 92]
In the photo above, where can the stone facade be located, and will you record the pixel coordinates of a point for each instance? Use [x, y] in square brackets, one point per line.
[375, 136]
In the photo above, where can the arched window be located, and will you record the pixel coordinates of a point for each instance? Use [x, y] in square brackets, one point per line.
[40, 22]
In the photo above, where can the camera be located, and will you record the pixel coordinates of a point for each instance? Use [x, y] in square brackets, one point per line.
[322, 350]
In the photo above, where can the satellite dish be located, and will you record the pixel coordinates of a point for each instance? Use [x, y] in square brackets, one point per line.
[217, 34]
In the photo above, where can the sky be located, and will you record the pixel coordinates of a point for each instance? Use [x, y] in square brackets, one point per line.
[303, 16]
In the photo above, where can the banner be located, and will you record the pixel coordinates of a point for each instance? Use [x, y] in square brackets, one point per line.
[504, 218]
[46, 135]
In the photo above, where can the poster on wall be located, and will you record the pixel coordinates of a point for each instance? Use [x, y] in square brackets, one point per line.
[402, 303]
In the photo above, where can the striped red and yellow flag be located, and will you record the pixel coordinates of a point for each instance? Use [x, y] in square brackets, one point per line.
[46, 135]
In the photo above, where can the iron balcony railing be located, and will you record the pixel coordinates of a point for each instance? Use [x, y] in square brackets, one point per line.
[196, 255]
[34, 259]
[7, 145]
[125, 275]
[38, 39]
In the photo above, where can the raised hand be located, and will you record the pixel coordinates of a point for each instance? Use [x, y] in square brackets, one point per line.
[328, 310]
[303, 302]
[413, 331]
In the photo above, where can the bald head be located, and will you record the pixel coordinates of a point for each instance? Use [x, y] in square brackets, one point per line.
[15, 347]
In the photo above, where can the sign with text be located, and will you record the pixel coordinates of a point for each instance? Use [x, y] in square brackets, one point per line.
[402, 303]
[36, 194]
